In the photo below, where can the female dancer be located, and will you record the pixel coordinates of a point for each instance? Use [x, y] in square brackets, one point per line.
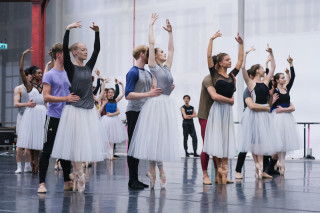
[33, 118]
[284, 120]
[258, 130]
[111, 123]
[79, 137]
[219, 138]
[156, 136]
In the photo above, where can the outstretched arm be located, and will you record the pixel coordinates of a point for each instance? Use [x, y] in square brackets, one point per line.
[122, 92]
[240, 54]
[170, 44]
[152, 57]
[96, 48]
[101, 95]
[292, 73]
[272, 66]
[209, 50]
[245, 75]
[25, 81]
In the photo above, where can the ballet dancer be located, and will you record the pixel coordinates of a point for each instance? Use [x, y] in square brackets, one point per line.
[219, 138]
[156, 136]
[258, 131]
[22, 101]
[79, 136]
[33, 118]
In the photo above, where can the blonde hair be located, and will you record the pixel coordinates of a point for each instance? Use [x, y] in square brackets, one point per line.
[139, 49]
[74, 47]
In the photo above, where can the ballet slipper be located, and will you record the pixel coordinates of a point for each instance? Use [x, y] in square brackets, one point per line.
[206, 180]
[152, 178]
[239, 175]
[259, 167]
[163, 181]
[265, 175]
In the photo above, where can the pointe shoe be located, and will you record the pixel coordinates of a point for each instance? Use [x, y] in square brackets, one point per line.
[229, 181]
[152, 178]
[206, 181]
[265, 175]
[223, 175]
[239, 175]
[281, 169]
[163, 181]
[73, 176]
[56, 166]
[81, 183]
[42, 188]
[259, 167]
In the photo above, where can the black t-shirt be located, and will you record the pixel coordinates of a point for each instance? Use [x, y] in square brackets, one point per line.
[189, 111]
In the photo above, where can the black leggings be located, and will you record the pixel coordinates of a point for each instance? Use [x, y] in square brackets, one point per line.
[133, 163]
[51, 127]
[242, 158]
[188, 129]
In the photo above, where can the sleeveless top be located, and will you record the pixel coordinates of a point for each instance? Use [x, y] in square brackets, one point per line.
[283, 100]
[36, 96]
[260, 93]
[23, 99]
[111, 106]
[164, 78]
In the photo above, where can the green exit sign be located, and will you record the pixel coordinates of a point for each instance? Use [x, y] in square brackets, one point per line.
[3, 46]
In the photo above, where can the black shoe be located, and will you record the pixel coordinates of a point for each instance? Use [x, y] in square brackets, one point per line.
[187, 155]
[116, 156]
[273, 172]
[196, 155]
[144, 185]
[135, 185]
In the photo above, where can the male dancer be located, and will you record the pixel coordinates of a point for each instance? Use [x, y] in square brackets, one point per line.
[188, 114]
[21, 101]
[138, 89]
[55, 91]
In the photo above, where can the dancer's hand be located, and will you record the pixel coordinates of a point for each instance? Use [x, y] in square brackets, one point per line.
[154, 17]
[107, 80]
[31, 104]
[268, 59]
[168, 27]
[94, 27]
[116, 81]
[287, 71]
[72, 97]
[155, 91]
[267, 108]
[97, 72]
[216, 35]
[27, 50]
[279, 109]
[239, 39]
[74, 25]
[290, 60]
[252, 48]
[269, 50]
[275, 98]
[232, 100]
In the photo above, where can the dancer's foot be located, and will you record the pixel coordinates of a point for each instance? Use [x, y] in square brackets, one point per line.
[73, 176]
[144, 185]
[272, 171]
[81, 182]
[19, 170]
[152, 178]
[27, 169]
[196, 155]
[229, 181]
[259, 167]
[223, 178]
[265, 175]
[68, 186]
[187, 155]
[206, 180]
[42, 188]
[163, 181]
[135, 185]
[281, 169]
[239, 175]
[56, 165]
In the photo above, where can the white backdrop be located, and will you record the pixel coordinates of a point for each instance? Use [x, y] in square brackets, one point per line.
[290, 27]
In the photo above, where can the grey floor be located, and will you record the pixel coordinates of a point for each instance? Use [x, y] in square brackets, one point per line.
[107, 191]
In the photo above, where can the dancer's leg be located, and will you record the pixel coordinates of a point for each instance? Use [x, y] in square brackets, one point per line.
[240, 162]
[204, 156]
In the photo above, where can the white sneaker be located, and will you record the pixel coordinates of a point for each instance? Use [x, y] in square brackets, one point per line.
[19, 170]
[27, 169]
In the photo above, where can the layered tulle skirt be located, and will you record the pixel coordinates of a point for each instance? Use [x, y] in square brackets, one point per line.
[157, 134]
[115, 129]
[80, 136]
[220, 138]
[259, 134]
[288, 131]
[31, 129]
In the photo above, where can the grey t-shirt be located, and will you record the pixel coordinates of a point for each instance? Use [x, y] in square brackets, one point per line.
[137, 80]
[23, 99]
[246, 94]
[164, 78]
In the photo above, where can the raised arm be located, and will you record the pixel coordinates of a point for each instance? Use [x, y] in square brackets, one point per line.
[25, 81]
[96, 48]
[220, 98]
[117, 89]
[103, 106]
[46, 69]
[68, 65]
[240, 54]
[272, 66]
[209, 50]
[267, 65]
[152, 57]
[170, 44]
[292, 73]
[245, 75]
[103, 91]
[122, 92]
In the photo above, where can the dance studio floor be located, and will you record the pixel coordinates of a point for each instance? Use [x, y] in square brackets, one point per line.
[107, 190]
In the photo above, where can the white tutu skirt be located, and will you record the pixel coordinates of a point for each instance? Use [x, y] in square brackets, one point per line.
[115, 129]
[80, 136]
[31, 129]
[219, 138]
[259, 135]
[19, 118]
[156, 135]
[288, 131]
